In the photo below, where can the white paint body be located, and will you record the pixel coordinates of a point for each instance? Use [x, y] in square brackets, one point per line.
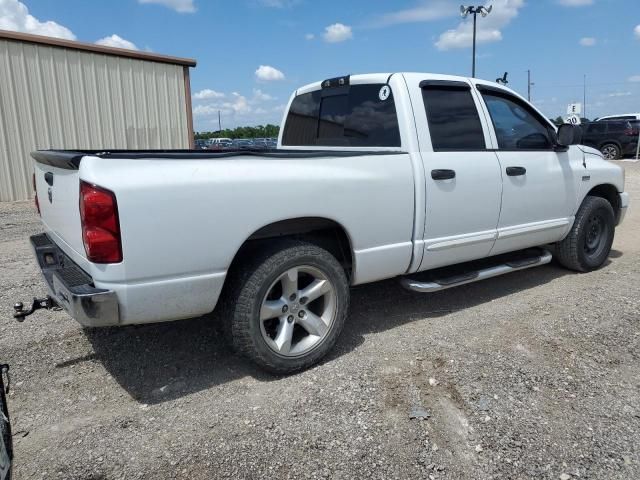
[183, 221]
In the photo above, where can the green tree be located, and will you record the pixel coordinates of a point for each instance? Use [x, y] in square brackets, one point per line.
[260, 131]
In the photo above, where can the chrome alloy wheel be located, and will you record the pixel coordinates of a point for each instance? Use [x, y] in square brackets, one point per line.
[610, 152]
[298, 311]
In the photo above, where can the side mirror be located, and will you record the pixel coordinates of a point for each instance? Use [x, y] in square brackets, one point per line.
[568, 135]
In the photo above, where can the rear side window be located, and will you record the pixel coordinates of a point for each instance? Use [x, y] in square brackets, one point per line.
[453, 119]
[597, 128]
[357, 116]
[618, 127]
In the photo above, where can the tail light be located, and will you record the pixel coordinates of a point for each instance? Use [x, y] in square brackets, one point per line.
[36, 191]
[632, 132]
[100, 224]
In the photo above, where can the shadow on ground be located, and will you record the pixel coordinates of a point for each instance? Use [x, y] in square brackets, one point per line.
[160, 362]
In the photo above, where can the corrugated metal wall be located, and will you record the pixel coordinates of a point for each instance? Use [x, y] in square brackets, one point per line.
[53, 97]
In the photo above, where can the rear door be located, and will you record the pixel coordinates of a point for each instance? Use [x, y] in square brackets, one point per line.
[463, 181]
[539, 186]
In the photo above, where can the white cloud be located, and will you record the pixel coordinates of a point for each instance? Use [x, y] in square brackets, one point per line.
[488, 30]
[587, 41]
[619, 94]
[575, 3]
[207, 94]
[634, 78]
[309, 36]
[278, 3]
[337, 32]
[266, 73]
[14, 16]
[117, 42]
[260, 96]
[425, 11]
[636, 31]
[180, 6]
[237, 109]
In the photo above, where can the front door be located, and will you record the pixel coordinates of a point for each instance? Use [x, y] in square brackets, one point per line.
[463, 181]
[539, 189]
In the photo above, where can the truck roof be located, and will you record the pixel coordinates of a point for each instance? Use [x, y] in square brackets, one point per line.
[366, 78]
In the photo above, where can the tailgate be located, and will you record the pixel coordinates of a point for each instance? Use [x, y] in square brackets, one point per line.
[58, 190]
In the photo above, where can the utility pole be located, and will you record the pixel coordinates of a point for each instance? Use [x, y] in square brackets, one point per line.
[464, 12]
[584, 97]
[473, 68]
[219, 122]
[529, 85]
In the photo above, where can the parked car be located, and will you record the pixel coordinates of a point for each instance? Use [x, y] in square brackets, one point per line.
[377, 176]
[614, 139]
[220, 143]
[243, 144]
[625, 116]
[200, 144]
[6, 443]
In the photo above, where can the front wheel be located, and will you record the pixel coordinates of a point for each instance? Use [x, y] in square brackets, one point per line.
[288, 306]
[588, 244]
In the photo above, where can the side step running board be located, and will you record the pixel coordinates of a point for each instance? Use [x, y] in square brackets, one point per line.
[540, 257]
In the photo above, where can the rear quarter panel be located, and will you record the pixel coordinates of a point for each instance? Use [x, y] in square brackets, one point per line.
[186, 219]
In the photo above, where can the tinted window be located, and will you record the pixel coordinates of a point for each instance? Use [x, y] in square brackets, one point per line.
[353, 117]
[454, 123]
[618, 127]
[516, 126]
[597, 128]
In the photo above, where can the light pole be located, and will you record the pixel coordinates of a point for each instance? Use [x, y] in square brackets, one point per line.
[484, 11]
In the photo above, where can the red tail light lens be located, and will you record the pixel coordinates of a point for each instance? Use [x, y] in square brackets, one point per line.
[37, 202]
[100, 224]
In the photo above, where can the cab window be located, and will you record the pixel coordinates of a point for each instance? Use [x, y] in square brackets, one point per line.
[517, 127]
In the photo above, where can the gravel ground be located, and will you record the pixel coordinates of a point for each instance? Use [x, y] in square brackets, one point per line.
[530, 375]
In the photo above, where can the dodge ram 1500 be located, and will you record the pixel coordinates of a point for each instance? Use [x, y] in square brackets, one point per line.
[375, 176]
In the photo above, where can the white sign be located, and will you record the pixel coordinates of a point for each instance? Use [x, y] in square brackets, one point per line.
[573, 119]
[574, 109]
[384, 93]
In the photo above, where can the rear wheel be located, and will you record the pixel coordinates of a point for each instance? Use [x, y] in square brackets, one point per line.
[610, 151]
[589, 242]
[288, 306]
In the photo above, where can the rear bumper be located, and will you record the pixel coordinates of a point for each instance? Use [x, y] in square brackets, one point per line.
[72, 288]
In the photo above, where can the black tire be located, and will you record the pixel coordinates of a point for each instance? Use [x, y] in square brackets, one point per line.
[588, 244]
[610, 151]
[250, 283]
[5, 429]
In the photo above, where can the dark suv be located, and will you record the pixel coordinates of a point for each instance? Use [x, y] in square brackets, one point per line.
[614, 139]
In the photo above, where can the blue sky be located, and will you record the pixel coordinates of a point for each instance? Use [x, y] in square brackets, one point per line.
[301, 41]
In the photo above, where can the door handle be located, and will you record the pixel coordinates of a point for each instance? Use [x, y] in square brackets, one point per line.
[516, 171]
[443, 174]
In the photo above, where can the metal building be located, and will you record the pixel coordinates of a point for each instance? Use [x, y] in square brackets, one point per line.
[62, 94]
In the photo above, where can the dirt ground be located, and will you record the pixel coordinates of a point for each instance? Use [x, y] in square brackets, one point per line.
[531, 375]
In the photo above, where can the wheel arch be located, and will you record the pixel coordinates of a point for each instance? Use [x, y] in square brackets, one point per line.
[609, 193]
[610, 142]
[323, 232]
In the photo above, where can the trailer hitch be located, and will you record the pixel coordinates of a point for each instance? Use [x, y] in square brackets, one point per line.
[47, 303]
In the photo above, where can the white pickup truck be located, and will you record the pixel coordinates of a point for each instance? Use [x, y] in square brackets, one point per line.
[376, 176]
